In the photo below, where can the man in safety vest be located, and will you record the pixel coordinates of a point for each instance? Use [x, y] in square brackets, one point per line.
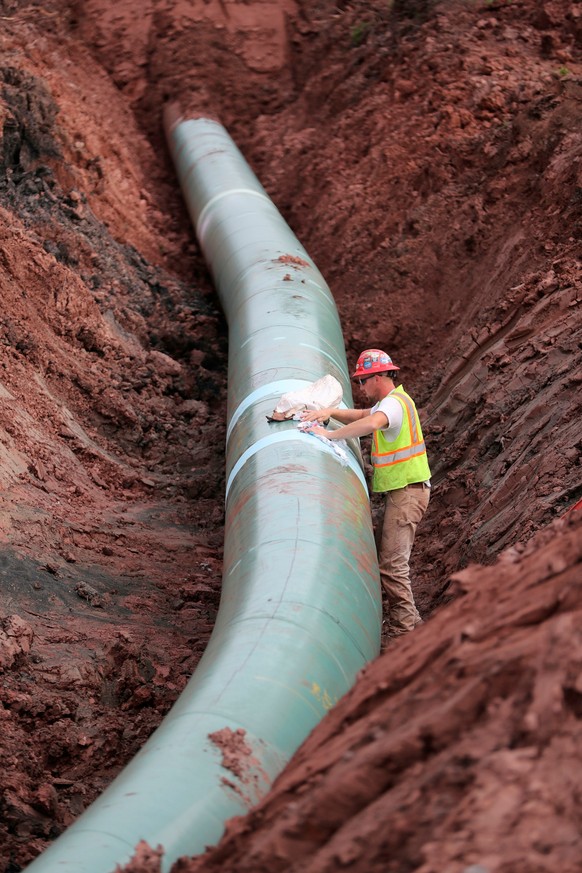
[400, 470]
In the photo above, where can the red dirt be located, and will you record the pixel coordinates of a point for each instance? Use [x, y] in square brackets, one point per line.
[234, 749]
[428, 156]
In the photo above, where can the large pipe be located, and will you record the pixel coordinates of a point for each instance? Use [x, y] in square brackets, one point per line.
[300, 611]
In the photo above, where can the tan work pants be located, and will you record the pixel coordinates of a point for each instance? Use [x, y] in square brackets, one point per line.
[404, 509]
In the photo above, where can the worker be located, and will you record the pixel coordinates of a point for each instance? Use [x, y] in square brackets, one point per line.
[401, 471]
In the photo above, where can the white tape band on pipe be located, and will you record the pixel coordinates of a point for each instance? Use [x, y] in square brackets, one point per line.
[276, 389]
[283, 386]
[288, 436]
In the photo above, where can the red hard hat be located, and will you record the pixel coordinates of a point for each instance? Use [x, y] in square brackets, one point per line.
[373, 361]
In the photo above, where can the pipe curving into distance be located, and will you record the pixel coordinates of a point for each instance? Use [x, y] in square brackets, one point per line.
[300, 611]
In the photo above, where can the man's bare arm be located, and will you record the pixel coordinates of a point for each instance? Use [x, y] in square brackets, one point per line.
[361, 427]
[344, 416]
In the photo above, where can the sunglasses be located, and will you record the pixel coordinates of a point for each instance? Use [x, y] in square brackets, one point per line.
[366, 379]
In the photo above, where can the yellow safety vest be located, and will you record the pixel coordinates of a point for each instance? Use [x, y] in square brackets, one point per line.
[402, 461]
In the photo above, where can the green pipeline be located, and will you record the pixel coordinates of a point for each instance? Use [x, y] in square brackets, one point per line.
[300, 612]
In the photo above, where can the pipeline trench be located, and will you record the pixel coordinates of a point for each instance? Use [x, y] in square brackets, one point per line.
[432, 179]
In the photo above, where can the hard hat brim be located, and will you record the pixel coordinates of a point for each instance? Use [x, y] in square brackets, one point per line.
[385, 369]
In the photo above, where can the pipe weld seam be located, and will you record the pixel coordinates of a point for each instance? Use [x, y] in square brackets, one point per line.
[220, 196]
[288, 436]
[274, 618]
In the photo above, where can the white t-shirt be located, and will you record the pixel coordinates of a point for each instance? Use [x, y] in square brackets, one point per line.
[392, 409]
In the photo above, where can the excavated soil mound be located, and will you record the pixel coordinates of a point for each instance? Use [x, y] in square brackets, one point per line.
[456, 751]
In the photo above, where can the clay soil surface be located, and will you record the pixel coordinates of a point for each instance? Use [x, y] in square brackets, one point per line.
[428, 155]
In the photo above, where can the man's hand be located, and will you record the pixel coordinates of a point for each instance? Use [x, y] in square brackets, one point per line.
[317, 414]
[319, 431]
